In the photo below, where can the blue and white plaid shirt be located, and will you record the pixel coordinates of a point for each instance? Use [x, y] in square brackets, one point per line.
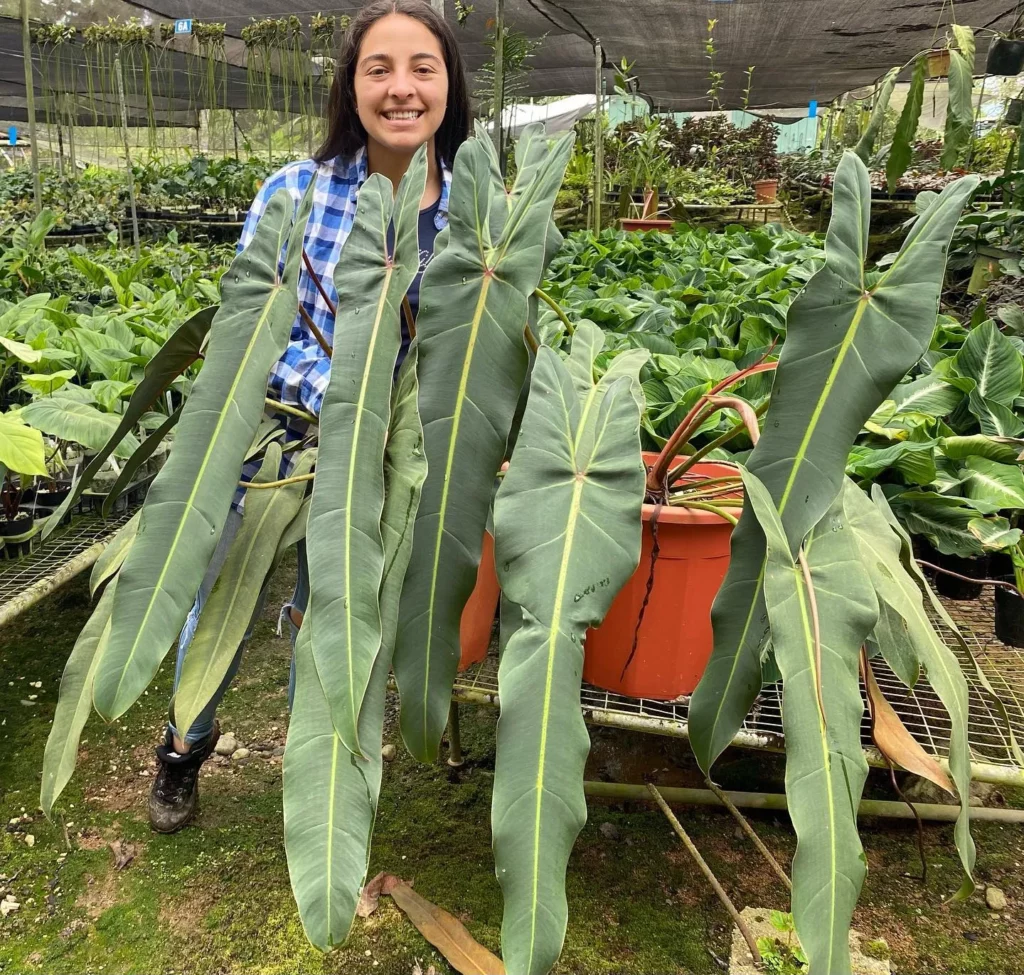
[299, 378]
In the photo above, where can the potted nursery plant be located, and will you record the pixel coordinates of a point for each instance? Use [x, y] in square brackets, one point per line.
[1009, 601]
[1006, 54]
[937, 62]
[766, 173]
[644, 163]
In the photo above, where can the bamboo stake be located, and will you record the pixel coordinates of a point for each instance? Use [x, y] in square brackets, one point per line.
[598, 134]
[119, 81]
[706, 870]
[499, 78]
[30, 105]
[749, 830]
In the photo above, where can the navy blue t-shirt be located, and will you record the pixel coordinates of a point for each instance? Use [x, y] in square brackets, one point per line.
[427, 234]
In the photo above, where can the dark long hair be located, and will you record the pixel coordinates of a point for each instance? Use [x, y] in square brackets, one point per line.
[345, 133]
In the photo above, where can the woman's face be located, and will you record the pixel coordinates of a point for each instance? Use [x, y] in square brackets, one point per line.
[401, 84]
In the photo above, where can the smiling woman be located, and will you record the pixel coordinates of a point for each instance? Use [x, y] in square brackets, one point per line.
[400, 85]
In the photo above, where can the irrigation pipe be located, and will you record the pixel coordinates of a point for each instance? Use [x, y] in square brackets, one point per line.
[776, 802]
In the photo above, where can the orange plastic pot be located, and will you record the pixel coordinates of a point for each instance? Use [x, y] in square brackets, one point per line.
[478, 614]
[675, 639]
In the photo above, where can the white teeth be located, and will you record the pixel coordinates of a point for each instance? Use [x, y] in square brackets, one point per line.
[395, 116]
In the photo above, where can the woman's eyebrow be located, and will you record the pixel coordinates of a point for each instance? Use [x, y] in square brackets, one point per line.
[386, 58]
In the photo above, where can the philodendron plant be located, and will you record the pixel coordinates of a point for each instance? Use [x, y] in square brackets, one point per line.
[391, 456]
[818, 571]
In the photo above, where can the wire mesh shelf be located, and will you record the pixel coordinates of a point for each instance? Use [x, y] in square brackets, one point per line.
[55, 561]
[920, 709]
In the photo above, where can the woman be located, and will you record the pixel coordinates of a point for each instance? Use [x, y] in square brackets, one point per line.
[399, 84]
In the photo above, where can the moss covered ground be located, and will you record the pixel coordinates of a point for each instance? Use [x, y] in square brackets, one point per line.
[215, 897]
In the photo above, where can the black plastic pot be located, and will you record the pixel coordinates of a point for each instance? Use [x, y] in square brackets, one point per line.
[1000, 565]
[37, 512]
[1010, 616]
[1014, 111]
[52, 499]
[953, 588]
[1005, 57]
[17, 527]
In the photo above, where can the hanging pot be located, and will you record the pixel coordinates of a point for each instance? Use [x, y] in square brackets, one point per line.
[1005, 57]
[1009, 616]
[1014, 111]
[937, 63]
[953, 588]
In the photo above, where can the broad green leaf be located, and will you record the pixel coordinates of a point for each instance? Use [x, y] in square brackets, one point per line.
[848, 343]
[21, 447]
[989, 358]
[330, 795]
[79, 422]
[915, 460]
[822, 711]
[344, 545]
[879, 538]
[944, 522]
[960, 113]
[866, 145]
[1000, 484]
[132, 465]
[930, 394]
[228, 609]
[995, 534]
[472, 365]
[902, 149]
[75, 702]
[1001, 449]
[567, 536]
[46, 383]
[112, 557]
[20, 350]
[180, 351]
[188, 502]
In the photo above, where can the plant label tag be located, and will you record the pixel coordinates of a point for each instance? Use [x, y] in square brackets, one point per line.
[812, 108]
[12, 135]
[183, 26]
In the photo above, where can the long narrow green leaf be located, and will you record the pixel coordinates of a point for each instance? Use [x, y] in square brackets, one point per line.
[75, 702]
[112, 557]
[473, 309]
[345, 549]
[879, 542]
[960, 111]
[866, 145]
[177, 354]
[232, 601]
[902, 149]
[847, 345]
[822, 710]
[567, 536]
[330, 795]
[189, 500]
[132, 465]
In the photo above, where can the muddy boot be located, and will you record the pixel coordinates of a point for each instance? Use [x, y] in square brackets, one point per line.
[175, 795]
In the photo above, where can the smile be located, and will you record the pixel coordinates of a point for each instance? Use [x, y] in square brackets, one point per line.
[402, 116]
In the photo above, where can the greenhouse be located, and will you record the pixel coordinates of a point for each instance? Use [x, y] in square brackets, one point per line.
[512, 487]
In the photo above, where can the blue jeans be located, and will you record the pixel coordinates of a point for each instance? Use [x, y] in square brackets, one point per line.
[203, 725]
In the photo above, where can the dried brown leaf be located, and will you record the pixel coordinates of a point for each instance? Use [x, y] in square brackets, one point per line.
[369, 896]
[124, 853]
[894, 741]
[447, 934]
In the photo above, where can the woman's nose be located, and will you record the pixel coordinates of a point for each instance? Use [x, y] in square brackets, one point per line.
[402, 87]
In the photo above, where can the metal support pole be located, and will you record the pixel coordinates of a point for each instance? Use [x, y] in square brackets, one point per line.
[234, 132]
[598, 134]
[455, 759]
[499, 78]
[30, 104]
[119, 81]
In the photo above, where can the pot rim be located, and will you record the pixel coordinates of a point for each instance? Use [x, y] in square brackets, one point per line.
[674, 515]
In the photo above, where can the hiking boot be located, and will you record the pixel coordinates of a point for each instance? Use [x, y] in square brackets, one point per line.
[175, 795]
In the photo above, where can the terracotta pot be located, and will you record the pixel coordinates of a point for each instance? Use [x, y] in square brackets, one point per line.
[675, 638]
[628, 223]
[766, 190]
[937, 63]
[478, 614]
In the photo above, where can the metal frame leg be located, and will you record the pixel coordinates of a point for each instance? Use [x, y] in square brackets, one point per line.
[455, 759]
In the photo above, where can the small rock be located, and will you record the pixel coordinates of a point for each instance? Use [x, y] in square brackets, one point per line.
[8, 905]
[239, 754]
[609, 831]
[226, 745]
[279, 751]
[995, 899]
[30, 840]
[389, 753]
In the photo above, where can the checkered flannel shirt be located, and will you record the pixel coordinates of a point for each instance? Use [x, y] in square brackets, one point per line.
[299, 378]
